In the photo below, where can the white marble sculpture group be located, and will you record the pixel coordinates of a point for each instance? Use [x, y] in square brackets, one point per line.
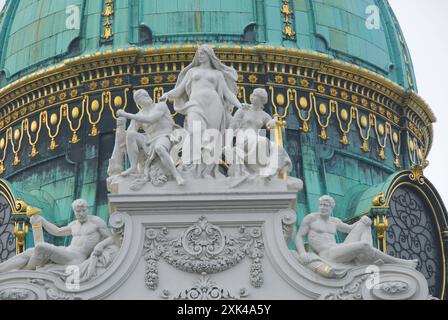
[158, 151]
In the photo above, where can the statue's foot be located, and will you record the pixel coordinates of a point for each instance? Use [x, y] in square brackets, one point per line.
[412, 263]
[180, 181]
[128, 172]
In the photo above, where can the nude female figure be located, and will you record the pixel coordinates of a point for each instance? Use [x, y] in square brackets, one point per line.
[206, 94]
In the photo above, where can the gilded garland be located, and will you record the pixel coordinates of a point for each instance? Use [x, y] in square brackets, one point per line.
[311, 89]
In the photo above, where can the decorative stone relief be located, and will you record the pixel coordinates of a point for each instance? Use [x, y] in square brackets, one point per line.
[393, 287]
[53, 293]
[352, 291]
[289, 219]
[17, 294]
[204, 248]
[206, 289]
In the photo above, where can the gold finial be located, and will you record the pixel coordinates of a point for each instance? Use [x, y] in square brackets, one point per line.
[30, 211]
[417, 172]
[21, 206]
[379, 201]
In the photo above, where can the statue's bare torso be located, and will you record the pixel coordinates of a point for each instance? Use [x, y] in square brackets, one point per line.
[322, 233]
[85, 236]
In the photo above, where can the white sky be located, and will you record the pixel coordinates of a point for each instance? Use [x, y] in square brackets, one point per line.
[424, 26]
[425, 29]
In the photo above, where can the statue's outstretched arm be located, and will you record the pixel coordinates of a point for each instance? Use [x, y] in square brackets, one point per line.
[343, 227]
[155, 116]
[55, 230]
[178, 90]
[229, 95]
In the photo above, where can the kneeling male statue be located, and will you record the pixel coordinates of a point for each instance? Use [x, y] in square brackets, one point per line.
[86, 231]
[331, 259]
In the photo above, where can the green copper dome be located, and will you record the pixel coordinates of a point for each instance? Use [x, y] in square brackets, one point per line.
[38, 33]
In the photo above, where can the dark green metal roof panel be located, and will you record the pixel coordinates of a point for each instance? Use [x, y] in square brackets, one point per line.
[365, 197]
[37, 33]
[34, 33]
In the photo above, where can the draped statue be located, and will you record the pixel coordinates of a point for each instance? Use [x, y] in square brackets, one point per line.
[206, 94]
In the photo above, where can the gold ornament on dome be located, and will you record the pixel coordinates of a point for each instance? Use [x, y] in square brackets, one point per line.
[333, 92]
[280, 99]
[323, 109]
[33, 126]
[158, 79]
[381, 129]
[279, 79]
[17, 134]
[172, 78]
[253, 78]
[395, 137]
[118, 102]
[303, 102]
[54, 119]
[75, 113]
[321, 89]
[144, 81]
[118, 81]
[95, 106]
[364, 121]
[305, 83]
[292, 81]
[344, 114]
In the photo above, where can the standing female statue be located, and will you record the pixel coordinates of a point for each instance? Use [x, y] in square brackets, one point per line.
[206, 94]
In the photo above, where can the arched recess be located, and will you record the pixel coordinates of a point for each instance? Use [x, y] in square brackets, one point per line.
[7, 222]
[417, 226]
[15, 231]
[410, 222]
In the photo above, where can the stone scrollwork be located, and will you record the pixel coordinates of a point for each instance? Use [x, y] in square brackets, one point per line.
[394, 287]
[203, 239]
[204, 248]
[352, 291]
[206, 289]
[289, 219]
[53, 293]
[17, 294]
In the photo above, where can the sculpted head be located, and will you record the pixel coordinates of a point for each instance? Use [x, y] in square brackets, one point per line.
[326, 205]
[81, 210]
[259, 97]
[142, 98]
[204, 54]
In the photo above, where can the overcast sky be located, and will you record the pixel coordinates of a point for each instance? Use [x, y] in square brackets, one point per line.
[424, 26]
[425, 29]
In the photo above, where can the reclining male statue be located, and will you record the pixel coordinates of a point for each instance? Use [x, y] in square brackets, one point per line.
[331, 259]
[87, 233]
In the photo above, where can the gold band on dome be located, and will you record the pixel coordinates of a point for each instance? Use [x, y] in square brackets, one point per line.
[69, 91]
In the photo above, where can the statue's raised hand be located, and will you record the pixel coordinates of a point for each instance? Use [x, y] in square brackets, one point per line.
[366, 220]
[36, 219]
[164, 97]
[121, 113]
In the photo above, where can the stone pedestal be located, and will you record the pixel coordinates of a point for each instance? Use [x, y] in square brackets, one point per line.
[209, 241]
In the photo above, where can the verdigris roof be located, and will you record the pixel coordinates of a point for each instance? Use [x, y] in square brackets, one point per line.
[38, 33]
